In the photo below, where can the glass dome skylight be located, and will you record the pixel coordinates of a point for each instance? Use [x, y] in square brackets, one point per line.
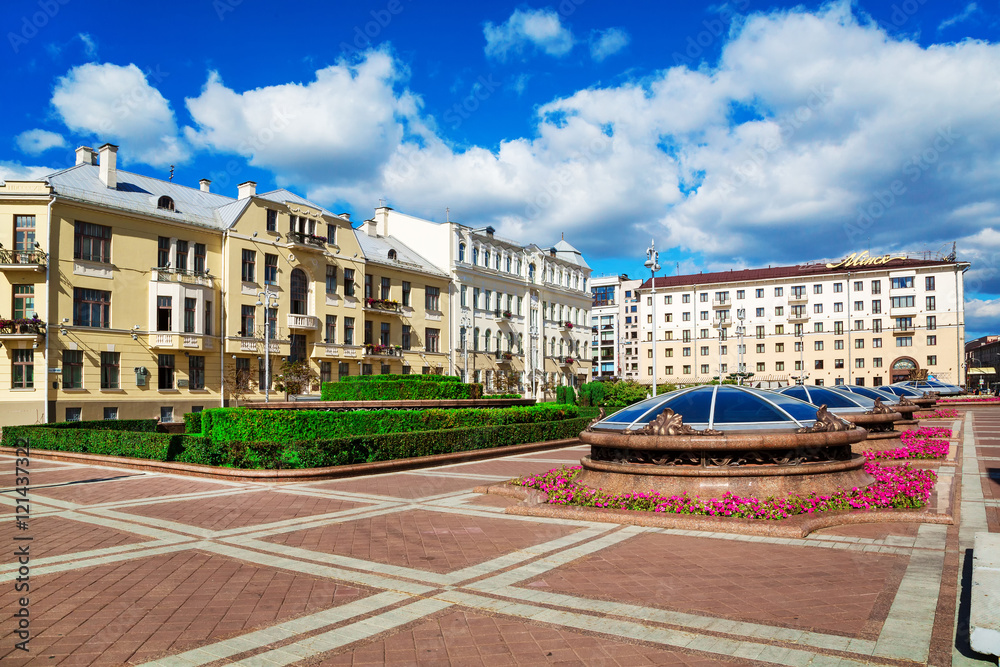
[900, 390]
[942, 388]
[721, 407]
[835, 401]
[873, 393]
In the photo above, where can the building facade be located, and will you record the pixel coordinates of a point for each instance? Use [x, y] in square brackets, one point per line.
[982, 359]
[124, 296]
[867, 321]
[519, 314]
[613, 296]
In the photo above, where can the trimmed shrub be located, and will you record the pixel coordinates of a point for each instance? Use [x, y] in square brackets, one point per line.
[247, 425]
[134, 444]
[399, 390]
[623, 393]
[592, 394]
[192, 422]
[390, 377]
[565, 395]
[136, 425]
[380, 447]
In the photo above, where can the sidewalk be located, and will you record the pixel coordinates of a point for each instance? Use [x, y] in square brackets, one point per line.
[412, 568]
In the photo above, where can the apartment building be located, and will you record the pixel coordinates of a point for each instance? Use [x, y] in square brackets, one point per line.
[864, 320]
[518, 312]
[982, 359]
[125, 296]
[612, 324]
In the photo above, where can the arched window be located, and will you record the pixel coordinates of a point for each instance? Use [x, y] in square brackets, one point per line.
[166, 203]
[486, 258]
[392, 254]
[475, 256]
[520, 343]
[531, 272]
[461, 252]
[561, 348]
[299, 292]
[462, 337]
[475, 340]
[486, 340]
[552, 347]
[500, 341]
[510, 342]
[508, 263]
[496, 263]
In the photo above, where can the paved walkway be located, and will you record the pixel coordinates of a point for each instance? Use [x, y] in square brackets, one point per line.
[414, 569]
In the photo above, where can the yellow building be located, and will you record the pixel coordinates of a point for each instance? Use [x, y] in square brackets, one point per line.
[162, 295]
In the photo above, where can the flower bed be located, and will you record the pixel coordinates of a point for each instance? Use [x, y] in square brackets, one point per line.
[975, 400]
[895, 487]
[919, 444]
[946, 413]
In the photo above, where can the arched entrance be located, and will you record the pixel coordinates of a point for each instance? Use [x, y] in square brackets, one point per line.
[299, 293]
[900, 369]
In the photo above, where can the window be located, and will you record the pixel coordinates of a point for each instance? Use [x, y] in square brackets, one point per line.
[165, 203]
[704, 368]
[876, 342]
[182, 255]
[24, 301]
[189, 310]
[838, 307]
[199, 257]
[903, 301]
[929, 283]
[818, 345]
[486, 258]
[876, 306]
[876, 326]
[74, 414]
[904, 341]
[110, 413]
[704, 350]
[686, 317]
[406, 336]
[270, 269]
[760, 312]
[760, 332]
[859, 325]
[760, 366]
[461, 252]
[838, 287]
[331, 329]
[838, 328]
[859, 305]
[798, 365]
[343, 369]
[685, 298]
[464, 296]
[932, 340]
[741, 294]
[348, 282]
[366, 369]
[779, 329]
[859, 343]
[817, 308]
[932, 360]
[325, 371]
[165, 371]
[91, 308]
[779, 291]
[384, 334]
[760, 348]
[272, 220]
[368, 333]
[475, 256]
[384, 289]
[703, 297]
[248, 272]
[475, 300]
[904, 323]
[778, 347]
[92, 242]
[72, 375]
[704, 315]
[902, 283]
[164, 313]
[877, 362]
[23, 369]
[838, 344]
[779, 365]
[331, 279]
[779, 311]
[196, 372]
[876, 287]
[687, 370]
[686, 352]
[110, 366]
[162, 252]
[859, 363]
[265, 374]
[406, 293]
[432, 298]
[931, 322]
[859, 285]
[818, 364]
[331, 234]
[369, 290]
[348, 329]
[432, 338]
[931, 303]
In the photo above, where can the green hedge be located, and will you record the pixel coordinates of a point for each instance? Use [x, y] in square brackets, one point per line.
[592, 394]
[389, 377]
[135, 425]
[305, 453]
[248, 425]
[192, 422]
[565, 394]
[399, 390]
[109, 442]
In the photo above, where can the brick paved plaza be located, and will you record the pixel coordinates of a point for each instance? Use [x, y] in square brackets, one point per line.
[414, 568]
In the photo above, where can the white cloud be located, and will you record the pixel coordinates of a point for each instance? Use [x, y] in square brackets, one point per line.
[118, 103]
[982, 316]
[15, 171]
[963, 15]
[34, 142]
[608, 42]
[89, 45]
[527, 30]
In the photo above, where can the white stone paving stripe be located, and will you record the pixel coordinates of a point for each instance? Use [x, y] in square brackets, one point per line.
[280, 632]
[822, 542]
[637, 631]
[112, 558]
[906, 632]
[973, 511]
[348, 634]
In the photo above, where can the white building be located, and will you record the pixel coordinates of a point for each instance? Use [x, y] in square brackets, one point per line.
[859, 321]
[613, 296]
[519, 312]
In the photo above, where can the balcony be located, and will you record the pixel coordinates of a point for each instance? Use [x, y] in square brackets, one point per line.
[907, 330]
[798, 317]
[25, 260]
[603, 302]
[798, 297]
[376, 350]
[303, 322]
[22, 329]
[722, 303]
[722, 322]
[503, 357]
[307, 240]
[163, 340]
[382, 305]
[567, 361]
[567, 326]
[183, 276]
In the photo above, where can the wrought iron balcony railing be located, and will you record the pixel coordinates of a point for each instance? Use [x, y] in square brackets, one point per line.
[23, 257]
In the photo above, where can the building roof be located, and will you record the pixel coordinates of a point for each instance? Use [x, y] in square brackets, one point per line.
[570, 254]
[803, 271]
[140, 194]
[376, 251]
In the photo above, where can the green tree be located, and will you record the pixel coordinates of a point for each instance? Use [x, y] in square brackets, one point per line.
[295, 377]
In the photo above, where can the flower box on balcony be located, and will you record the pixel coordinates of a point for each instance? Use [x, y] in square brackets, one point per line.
[384, 350]
[23, 326]
[569, 360]
[568, 325]
[382, 304]
[507, 314]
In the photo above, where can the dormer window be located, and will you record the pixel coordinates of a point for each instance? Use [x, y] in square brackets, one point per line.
[392, 254]
[165, 203]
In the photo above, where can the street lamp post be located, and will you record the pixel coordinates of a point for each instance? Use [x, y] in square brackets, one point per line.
[466, 323]
[741, 314]
[653, 266]
[269, 300]
[801, 335]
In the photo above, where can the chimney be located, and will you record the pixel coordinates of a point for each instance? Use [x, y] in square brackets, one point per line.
[382, 220]
[84, 155]
[345, 216]
[247, 189]
[109, 165]
[371, 227]
[204, 183]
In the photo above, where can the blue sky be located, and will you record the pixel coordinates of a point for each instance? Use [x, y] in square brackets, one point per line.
[735, 135]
